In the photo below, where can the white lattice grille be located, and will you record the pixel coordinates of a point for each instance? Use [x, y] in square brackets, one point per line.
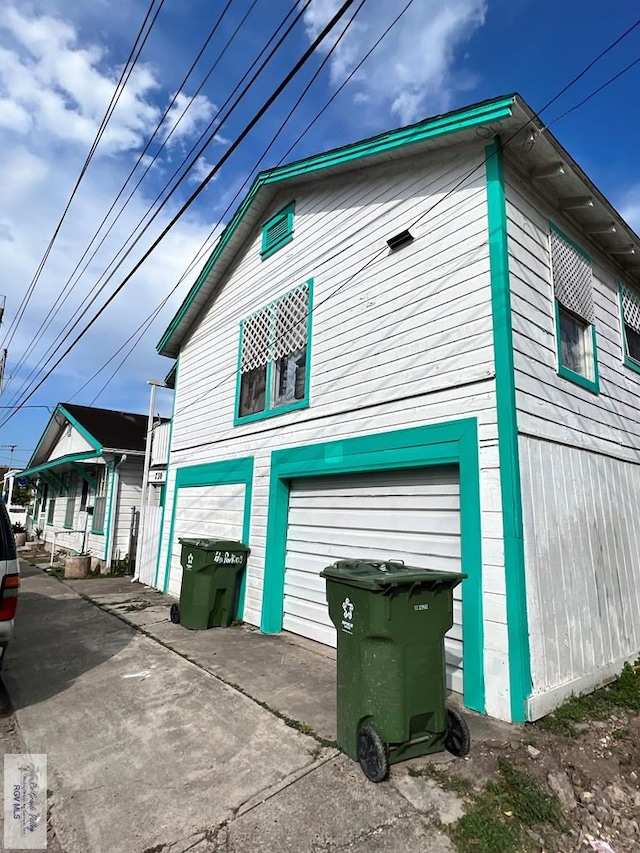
[291, 322]
[631, 307]
[256, 333]
[571, 278]
[277, 330]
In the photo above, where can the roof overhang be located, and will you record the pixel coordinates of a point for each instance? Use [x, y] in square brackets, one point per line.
[62, 464]
[532, 150]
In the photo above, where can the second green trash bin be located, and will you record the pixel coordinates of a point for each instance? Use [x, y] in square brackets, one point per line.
[212, 571]
[390, 621]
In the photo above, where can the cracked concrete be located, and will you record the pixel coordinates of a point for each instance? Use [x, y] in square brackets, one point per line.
[163, 740]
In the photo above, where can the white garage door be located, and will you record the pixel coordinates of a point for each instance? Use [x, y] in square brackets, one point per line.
[412, 515]
[205, 511]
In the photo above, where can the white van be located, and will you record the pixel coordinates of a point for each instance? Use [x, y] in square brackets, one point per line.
[9, 580]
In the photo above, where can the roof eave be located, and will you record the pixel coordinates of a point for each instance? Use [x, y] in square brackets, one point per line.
[484, 113]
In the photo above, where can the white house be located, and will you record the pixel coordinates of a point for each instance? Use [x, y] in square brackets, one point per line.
[88, 468]
[426, 346]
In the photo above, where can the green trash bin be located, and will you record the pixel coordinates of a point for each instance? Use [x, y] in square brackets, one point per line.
[211, 574]
[390, 621]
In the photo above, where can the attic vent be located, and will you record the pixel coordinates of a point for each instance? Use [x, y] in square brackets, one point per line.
[571, 277]
[277, 231]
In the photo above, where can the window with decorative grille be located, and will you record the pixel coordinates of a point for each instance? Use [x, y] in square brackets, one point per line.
[573, 292]
[273, 355]
[100, 504]
[630, 302]
[70, 508]
[277, 231]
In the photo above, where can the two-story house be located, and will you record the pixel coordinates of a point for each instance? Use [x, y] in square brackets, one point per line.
[425, 346]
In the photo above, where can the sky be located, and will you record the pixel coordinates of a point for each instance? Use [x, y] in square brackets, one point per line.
[59, 64]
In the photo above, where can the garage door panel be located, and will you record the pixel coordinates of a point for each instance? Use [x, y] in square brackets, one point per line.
[410, 515]
[215, 512]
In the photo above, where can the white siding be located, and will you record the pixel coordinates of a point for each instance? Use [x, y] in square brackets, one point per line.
[215, 512]
[160, 443]
[582, 545]
[129, 492]
[406, 342]
[580, 453]
[411, 515]
[69, 442]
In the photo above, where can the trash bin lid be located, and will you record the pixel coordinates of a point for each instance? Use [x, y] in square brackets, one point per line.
[214, 544]
[382, 574]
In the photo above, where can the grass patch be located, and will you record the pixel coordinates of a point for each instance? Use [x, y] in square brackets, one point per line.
[447, 781]
[624, 692]
[496, 821]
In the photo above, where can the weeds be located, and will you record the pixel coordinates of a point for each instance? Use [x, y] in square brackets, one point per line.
[624, 692]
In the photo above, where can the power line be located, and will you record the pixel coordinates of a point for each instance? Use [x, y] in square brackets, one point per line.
[132, 59]
[98, 290]
[307, 54]
[68, 288]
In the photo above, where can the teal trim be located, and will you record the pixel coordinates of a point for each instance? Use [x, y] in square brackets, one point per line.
[451, 443]
[111, 481]
[571, 242]
[629, 362]
[88, 478]
[55, 463]
[494, 110]
[82, 430]
[592, 385]
[270, 410]
[175, 369]
[284, 215]
[215, 474]
[510, 485]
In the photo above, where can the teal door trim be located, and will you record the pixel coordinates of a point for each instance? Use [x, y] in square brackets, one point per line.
[450, 443]
[173, 370]
[231, 471]
[510, 485]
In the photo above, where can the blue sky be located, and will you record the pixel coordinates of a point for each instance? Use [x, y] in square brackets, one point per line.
[58, 63]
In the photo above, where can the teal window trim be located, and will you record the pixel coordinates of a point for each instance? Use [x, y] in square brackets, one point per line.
[99, 531]
[271, 411]
[629, 362]
[451, 443]
[108, 528]
[510, 484]
[282, 216]
[175, 369]
[71, 496]
[494, 110]
[51, 510]
[231, 471]
[592, 385]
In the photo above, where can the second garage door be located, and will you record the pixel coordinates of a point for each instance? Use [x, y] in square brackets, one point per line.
[412, 515]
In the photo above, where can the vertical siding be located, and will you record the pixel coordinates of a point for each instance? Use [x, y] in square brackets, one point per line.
[160, 444]
[579, 460]
[582, 545]
[406, 342]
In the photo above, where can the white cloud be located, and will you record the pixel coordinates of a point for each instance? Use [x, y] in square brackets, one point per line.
[200, 170]
[198, 112]
[630, 207]
[412, 72]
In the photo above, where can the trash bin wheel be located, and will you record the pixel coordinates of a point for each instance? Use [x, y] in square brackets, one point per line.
[458, 739]
[174, 614]
[372, 754]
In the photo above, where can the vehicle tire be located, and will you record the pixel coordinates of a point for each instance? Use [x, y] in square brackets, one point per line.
[372, 755]
[174, 614]
[458, 739]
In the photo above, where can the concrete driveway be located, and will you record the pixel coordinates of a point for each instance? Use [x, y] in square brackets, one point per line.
[149, 752]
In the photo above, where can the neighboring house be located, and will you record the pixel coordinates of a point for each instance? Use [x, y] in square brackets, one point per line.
[88, 468]
[425, 346]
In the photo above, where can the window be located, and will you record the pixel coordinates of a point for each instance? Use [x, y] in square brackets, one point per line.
[70, 509]
[630, 309]
[84, 496]
[51, 509]
[45, 495]
[575, 329]
[277, 231]
[274, 365]
[97, 521]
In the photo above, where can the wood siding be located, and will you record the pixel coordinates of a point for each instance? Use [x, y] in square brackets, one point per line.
[580, 457]
[214, 512]
[69, 442]
[129, 495]
[406, 342]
